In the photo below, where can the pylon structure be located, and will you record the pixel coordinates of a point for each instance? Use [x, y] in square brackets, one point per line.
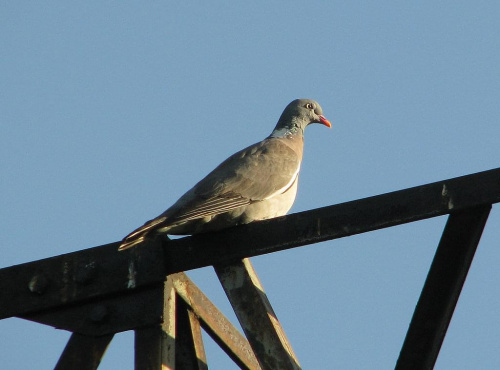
[97, 292]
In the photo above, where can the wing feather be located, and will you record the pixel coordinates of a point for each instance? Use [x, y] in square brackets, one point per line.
[254, 174]
[251, 175]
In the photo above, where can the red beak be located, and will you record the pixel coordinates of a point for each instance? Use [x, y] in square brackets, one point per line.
[324, 121]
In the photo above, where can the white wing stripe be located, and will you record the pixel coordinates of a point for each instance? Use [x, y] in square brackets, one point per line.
[287, 186]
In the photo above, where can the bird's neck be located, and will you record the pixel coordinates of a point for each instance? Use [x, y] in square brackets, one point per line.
[286, 132]
[294, 140]
[292, 129]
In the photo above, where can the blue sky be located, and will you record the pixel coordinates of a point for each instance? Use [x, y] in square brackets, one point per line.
[111, 110]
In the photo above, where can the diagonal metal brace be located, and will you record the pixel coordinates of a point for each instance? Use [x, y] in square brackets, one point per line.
[442, 288]
[256, 316]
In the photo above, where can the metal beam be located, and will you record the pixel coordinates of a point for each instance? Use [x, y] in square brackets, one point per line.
[256, 316]
[101, 271]
[333, 222]
[119, 313]
[215, 323]
[189, 349]
[83, 352]
[155, 346]
[442, 288]
[70, 278]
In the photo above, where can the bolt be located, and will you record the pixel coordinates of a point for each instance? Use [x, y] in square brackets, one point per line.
[38, 284]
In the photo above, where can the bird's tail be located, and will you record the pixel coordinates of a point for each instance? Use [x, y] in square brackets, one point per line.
[139, 235]
[131, 243]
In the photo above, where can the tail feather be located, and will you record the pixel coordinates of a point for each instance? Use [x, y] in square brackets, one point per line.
[131, 243]
[139, 235]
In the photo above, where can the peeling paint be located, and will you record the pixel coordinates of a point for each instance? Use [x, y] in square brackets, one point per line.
[131, 275]
[235, 280]
[450, 203]
[446, 194]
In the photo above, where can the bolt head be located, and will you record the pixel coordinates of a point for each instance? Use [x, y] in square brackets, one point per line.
[38, 284]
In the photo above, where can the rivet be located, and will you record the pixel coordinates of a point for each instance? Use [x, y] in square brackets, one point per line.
[38, 284]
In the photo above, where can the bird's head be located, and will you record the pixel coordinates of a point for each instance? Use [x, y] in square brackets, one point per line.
[298, 115]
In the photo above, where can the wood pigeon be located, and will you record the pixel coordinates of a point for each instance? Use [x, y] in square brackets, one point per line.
[256, 183]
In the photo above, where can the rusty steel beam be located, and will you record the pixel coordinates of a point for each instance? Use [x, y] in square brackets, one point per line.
[256, 316]
[144, 308]
[155, 347]
[176, 342]
[442, 288]
[333, 222]
[189, 349]
[70, 278]
[83, 352]
[150, 344]
[128, 311]
[215, 323]
[101, 271]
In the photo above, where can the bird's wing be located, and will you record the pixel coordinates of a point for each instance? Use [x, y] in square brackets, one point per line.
[253, 174]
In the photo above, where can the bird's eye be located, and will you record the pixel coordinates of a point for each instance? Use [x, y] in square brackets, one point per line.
[310, 106]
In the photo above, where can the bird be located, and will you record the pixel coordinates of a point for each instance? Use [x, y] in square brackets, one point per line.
[256, 183]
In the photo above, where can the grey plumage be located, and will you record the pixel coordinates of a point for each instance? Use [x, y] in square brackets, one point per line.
[256, 183]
